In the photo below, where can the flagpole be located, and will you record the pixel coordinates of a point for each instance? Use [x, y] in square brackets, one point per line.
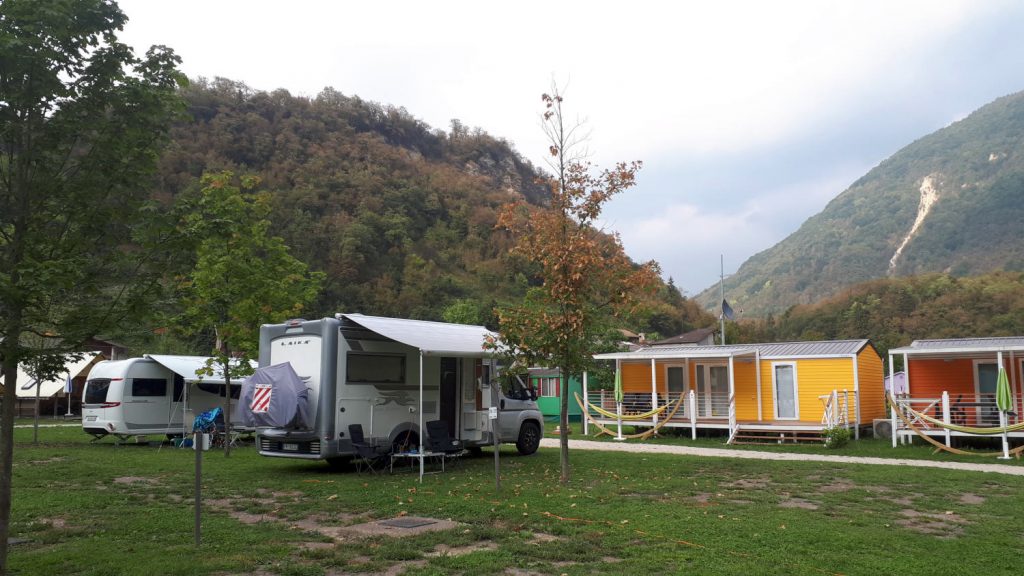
[721, 286]
[69, 387]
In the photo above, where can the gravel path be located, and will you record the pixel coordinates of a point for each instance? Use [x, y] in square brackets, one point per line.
[755, 455]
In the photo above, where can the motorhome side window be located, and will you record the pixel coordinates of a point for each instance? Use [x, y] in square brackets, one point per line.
[149, 387]
[96, 390]
[375, 368]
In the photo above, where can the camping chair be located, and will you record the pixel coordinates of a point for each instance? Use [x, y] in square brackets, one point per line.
[366, 454]
[438, 440]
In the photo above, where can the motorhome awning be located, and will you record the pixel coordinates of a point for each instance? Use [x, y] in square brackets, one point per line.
[47, 388]
[431, 338]
[186, 366]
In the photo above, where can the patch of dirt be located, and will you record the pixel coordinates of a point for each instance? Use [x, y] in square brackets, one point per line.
[969, 498]
[56, 522]
[758, 483]
[837, 485]
[135, 480]
[947, 526]
[702, 499]
[53, 460]
[798, 503]
[906, 500]
[878, 489]
[316, 545]
[657, 496]
[445, 550]
[376, 528]
[542, 537]
[521, 572]
[610, 560]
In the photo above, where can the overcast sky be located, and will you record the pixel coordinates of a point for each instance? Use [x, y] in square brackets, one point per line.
[749, 116]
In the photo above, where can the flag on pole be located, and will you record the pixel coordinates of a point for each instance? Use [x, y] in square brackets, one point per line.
[727, 310]
[69, 386]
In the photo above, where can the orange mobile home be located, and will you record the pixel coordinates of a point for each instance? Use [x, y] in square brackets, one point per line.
[796, 389]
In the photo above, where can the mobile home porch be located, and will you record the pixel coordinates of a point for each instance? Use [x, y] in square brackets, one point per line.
[779, 388]
[954, 381]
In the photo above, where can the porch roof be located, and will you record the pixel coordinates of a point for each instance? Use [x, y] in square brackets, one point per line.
[678, 351]
[963, 347]
[768, 351]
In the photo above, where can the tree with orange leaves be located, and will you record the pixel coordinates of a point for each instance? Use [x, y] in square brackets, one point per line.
[588, 281]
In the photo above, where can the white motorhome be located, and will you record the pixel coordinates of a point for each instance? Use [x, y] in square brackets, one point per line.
[391, 376]
[155, 394]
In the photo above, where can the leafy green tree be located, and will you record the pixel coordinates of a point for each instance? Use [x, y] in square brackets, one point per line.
[587, 278]
[81, 121]
[243, 275]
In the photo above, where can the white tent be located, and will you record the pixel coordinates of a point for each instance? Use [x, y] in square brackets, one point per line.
[48, 388]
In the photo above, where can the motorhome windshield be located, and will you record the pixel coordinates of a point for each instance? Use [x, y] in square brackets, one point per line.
[96, 390]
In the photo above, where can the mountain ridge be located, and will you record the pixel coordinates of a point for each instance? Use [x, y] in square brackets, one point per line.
[971, 176]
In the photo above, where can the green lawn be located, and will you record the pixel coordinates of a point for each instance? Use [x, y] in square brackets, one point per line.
[100, 509]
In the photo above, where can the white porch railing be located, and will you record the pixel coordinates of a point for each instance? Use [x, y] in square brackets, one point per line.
[837, 408]
[637, 403]
[971, 410]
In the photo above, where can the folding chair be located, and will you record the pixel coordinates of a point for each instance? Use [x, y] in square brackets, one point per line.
[366, 454]
[438, 440]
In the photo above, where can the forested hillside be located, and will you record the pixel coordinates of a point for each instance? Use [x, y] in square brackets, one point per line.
[947, 203]
[400, 216]
[894, 312]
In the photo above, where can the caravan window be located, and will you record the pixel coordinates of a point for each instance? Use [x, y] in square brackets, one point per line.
[149, 387]
[218, 389]
[179, 388]
[96, 390]
[376, 368]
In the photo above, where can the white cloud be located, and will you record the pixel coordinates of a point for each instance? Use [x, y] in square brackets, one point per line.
[665, 82]
[688, 77]
[688, 239]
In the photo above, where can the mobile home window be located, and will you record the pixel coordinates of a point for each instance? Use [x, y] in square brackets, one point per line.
[96, 390]
[375, 368]
[549, 386]
[149, 387]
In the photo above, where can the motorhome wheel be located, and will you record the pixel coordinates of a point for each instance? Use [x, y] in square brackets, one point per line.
[529, 438]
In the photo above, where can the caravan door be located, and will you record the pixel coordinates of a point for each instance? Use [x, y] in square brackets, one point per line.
[147, 405]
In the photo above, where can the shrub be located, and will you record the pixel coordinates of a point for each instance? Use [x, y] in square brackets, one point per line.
[836, 437]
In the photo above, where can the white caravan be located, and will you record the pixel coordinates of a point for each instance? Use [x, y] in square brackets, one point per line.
[156, 394]
[391, 376]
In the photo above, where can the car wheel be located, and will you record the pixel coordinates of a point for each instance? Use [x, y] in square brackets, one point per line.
[529, 438]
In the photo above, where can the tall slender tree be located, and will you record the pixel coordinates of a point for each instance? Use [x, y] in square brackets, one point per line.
[243, 276]
[588, 280]
[81, 121]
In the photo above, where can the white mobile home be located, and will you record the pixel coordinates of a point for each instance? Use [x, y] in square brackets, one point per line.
[390, 376]
[155, 394]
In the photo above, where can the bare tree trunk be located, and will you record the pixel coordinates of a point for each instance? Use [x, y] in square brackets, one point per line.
[227, 399]
[10, 373]
[563, 427]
